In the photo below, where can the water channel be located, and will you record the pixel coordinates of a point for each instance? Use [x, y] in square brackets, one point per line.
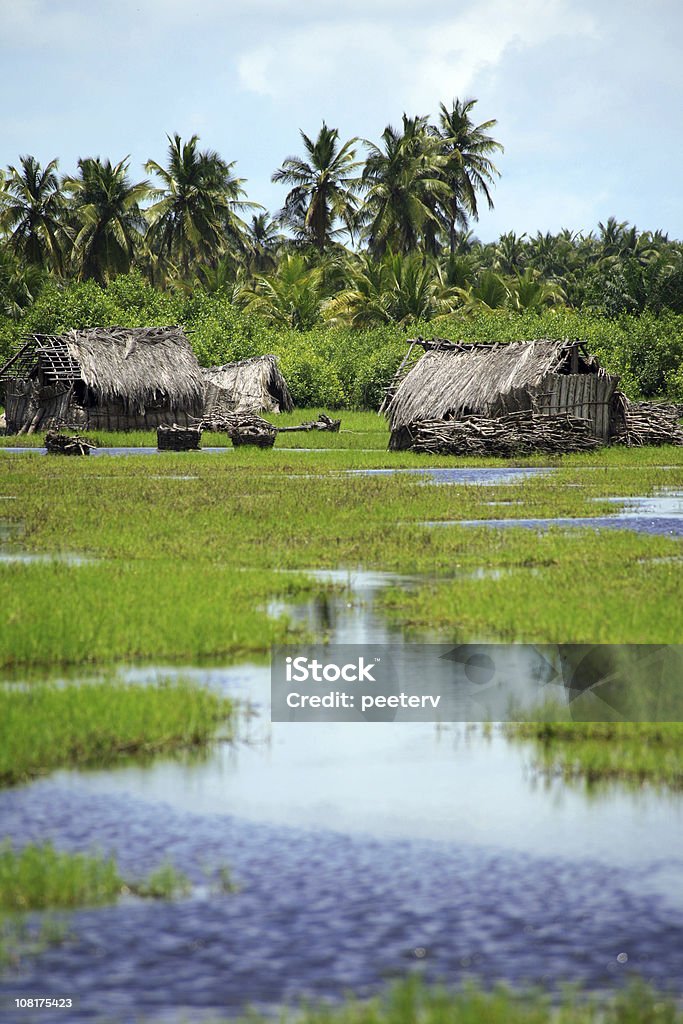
[362, 851]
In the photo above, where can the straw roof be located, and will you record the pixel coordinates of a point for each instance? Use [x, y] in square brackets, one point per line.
[451, 380]
[136, 364]
[249, 385]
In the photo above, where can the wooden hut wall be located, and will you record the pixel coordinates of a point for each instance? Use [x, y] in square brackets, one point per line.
[587, 395]
[28, 408]
[117, 417]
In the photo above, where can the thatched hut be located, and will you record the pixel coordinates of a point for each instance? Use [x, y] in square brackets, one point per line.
[250, 385]
[455, 380]
[106, 378]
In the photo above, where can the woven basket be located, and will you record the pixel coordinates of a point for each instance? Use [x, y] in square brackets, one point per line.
[258, 440]
[178, 439]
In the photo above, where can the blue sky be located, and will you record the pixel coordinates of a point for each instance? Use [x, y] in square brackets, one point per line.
[588, 94]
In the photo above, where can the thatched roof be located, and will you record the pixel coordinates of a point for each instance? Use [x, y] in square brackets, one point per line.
[250, 385]
[136, 364]
[451, 380]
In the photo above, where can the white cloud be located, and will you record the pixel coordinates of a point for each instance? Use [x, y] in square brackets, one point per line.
[456, 51]
[255, 72]
[418, 65]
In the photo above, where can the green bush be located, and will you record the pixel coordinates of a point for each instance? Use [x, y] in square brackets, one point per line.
[335, 366]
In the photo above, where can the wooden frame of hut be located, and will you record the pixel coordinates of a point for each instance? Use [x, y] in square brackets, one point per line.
[106, 378]
[250, 385]
[454, 380]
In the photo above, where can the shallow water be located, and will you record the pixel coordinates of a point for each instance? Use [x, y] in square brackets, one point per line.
[26, 558]
[487, 475]
[660, 514]
[363, 850]
[111, 451]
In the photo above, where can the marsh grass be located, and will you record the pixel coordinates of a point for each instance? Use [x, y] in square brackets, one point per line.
[41, 878]
[412, 1001]
[46, 726]
[189, 549]
[598, 752]
[165, 883]
[358, 430]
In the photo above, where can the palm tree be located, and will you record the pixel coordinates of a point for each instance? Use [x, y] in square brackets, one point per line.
[404, 188]
[31, 211]
[510, 253]
[263, 242]
[195, 216]
[290, 297]
[468, 168]
[325, 187]
[108, 222]
[612, 236]
[396, 289]
[528, 291]
[490, 292]
[19, 284]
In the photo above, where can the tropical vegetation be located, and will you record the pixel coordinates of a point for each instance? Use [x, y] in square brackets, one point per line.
[373, 242]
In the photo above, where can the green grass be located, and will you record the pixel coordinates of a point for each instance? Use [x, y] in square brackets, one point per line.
[358, 430]
[39, 877]
[47, 726]
[411, 1001]
[598, 752]
[187, 549]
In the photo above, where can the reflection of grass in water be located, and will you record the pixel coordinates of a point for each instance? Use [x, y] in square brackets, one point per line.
[410, 1001]
[45, 726]
[632, 752]
[40, 878]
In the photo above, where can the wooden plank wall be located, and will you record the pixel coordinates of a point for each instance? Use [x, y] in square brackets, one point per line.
[587, 395]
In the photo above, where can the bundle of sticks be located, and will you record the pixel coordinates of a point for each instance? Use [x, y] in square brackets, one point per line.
[67, 444]
[323, 422]
[250, 429]
[649, 423]
[512, 434]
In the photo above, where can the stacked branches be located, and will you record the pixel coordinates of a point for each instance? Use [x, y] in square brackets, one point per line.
[249, 429]
[57, 443]
[648, 423]
[518, 433]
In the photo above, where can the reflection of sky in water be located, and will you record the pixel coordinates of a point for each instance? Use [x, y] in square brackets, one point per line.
[657, 514]
[400, 780]
[354, 844]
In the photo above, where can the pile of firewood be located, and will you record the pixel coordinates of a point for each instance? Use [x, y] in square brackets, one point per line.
[250, 429]
[67, 444]
[323, 422]
[221, 423]
[649, 423]
[513, 434]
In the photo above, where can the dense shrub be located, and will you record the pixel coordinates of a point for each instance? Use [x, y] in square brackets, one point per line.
[335, 366]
